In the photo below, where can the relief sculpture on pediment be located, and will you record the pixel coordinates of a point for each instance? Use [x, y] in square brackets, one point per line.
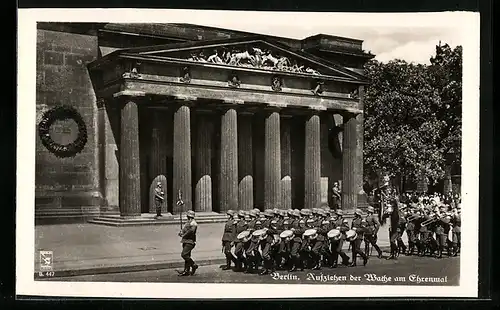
[253, 57]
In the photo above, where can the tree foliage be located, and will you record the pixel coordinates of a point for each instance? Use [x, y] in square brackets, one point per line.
[413, 115]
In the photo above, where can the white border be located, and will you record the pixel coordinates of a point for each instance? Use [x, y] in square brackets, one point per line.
[466, 23]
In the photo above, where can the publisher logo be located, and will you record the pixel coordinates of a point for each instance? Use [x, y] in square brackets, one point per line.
[46, 258]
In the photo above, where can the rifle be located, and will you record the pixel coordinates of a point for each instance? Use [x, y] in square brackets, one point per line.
[180, 203]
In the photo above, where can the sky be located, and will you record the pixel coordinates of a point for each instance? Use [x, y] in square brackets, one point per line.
[387, 43]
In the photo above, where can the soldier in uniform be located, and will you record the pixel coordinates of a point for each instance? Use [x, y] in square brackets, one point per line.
[296, 243]
[371, 235]
[188, 235]
[318, 244]
[342, 225]
[411, 231]
[266, 242]
[401, 229]
[228, 238]
[241, 226]
[441, 235]
[424, 233]
[159, 197]
[336, 196]
[359, 227]
[251, 254]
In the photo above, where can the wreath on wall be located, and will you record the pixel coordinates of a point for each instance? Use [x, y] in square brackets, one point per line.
[61, 113]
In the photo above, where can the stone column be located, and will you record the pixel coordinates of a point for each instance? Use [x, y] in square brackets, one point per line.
[272, 161]
[130, 184]
[203, 165]
[349, 164]
[245, 161]
[182, 159]
[286, 163]
[228, 185]
[312, 162]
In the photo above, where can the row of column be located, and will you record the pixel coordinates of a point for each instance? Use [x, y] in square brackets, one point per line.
[235, 158]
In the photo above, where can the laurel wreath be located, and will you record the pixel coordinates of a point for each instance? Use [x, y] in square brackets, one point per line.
[58, 114]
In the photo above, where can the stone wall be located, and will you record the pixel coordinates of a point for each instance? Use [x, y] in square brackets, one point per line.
[66, 187]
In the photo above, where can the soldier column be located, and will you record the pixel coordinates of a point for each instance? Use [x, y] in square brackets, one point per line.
[312, 162]
[272, 161]
[182, 159]
[130, 190]
[228, 182]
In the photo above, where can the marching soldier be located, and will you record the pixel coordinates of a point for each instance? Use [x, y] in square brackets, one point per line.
[358, 226]
[241, 226]
[228, 238]
[251, 253]
[441, 235]
[296, 242]
[266, 240]
[371, 235]
[188, 235]
[318, 243]
[424, 232]
[342, 225]
[456, 231]
[159, 198]
[400, 230]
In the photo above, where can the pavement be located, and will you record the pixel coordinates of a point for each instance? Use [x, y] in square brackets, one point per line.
[406, 270]
[86, 249]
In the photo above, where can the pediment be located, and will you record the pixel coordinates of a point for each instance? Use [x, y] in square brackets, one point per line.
[254, 53]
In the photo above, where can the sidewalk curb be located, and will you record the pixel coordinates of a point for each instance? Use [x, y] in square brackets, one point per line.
[138, 267]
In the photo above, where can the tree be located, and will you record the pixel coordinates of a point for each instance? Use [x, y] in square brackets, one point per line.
[412, 116]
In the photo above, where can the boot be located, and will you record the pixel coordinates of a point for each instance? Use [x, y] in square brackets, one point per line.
[354, 257]
[394, 250]
[440, 253]
[228, 264]
[266, 268]
[365, 260]
[185, 272]
[249, 264]
[317, 266]
[294, 262]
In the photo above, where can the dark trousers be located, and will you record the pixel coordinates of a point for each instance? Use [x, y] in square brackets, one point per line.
[227, 252]
[371, 239]
[266, 255]
[412, 239]
[336, 249]
[158, 206]
[356, 249]
[317, 250]
[186, 254]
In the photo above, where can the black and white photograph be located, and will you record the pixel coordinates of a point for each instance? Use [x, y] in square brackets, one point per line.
[188, 154]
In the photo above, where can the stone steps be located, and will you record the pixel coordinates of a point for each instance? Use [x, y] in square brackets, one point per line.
[148, 219]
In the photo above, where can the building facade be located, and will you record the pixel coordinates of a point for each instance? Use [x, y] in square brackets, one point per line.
[224, 119]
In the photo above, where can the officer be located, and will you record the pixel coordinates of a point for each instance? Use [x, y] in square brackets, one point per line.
[228, 238]
[241, 226]
[342, 225]
[358, 226]
[159, 198]
[456, 221]
[188, 235]
[371, 235]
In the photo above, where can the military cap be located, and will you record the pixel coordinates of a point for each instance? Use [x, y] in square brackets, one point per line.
[230, 212]
[296, 210]
[286, 234]
[258, 222]
[247, 217]
[370, 209]
[325, 222]
[320, 212]
[302, 221]
[345, 221]
[338, 212]
[269, 213]
[310, 221]
[327, 211]
[253, 213]
[358, 212]
[446, 219]
[190, 213]
[274, 222]
[241, 213]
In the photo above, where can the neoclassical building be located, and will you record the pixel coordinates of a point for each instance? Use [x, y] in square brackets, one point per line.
[225, 119]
